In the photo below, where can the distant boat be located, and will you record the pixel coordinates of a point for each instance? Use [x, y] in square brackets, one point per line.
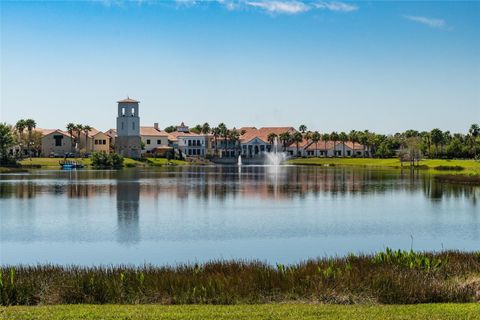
[68, 165]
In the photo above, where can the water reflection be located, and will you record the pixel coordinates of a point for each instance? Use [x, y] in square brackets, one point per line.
[224, 182]
[128, 204]
[180, 214]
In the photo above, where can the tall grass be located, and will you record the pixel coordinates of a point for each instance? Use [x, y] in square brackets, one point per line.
[390, 277]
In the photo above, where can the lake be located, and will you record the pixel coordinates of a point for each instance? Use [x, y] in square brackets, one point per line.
[194, 214]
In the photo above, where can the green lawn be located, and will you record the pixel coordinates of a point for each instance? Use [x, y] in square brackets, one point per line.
[164, 162]
[50, 162]
[250, 312]
[470, 166]
[54, 162]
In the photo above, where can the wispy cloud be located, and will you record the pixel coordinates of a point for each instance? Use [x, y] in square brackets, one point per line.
[270, 6]
[431, 22]
[229, 4]
[186, 3]
[336, 6]
[288, 7]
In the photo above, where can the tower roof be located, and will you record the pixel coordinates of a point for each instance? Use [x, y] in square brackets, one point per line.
[128, 100]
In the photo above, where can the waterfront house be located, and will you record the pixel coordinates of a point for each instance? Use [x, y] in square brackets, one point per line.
[255, 141]
[189, 143]
[154, 141]
[97, 141]
[112, 135]
[331, 149]
[56, 143]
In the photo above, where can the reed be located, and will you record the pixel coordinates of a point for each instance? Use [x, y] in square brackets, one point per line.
[389, 277]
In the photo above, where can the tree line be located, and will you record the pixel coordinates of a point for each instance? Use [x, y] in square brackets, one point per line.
[429, 144]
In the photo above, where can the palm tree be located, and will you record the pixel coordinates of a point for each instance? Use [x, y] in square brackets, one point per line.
[302, 128]
[436, 135]
[363, 138]
[297, 137]
[71, 128]
[343, 137]
[334, 137]
[271, 139]
[20, 127]
[86, 131]
[353, 136]
[30, 124]
[234, 137]
[285, 138]
[224, 134]
[325, 138]
[474, 133]
[315, 138]
[206, 128]
[78, 131]
[216, 134]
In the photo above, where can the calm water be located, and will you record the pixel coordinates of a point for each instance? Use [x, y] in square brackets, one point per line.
[169, 216]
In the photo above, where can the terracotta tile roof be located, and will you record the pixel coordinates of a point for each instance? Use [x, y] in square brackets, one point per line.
[112, 133]
[93, 132]
[46, 132]
[177, 134]
[152, 131]
[321, 145]
[128, 100]
[263, 133]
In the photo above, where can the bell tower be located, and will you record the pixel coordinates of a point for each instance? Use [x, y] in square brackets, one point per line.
[128, 141]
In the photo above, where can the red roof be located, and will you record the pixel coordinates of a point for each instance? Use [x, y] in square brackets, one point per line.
[112, 133]
[152, 131]
[46, 132]
[262, 133]
[329, 145]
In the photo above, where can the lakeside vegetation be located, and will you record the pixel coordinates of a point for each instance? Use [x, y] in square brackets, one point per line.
[390, 277]
[434, 165]
[250, 312]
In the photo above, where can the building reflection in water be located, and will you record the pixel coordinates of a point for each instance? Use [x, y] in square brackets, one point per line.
[128, 205]
[221, 183]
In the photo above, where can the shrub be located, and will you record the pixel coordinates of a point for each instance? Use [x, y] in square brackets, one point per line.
[106, 160]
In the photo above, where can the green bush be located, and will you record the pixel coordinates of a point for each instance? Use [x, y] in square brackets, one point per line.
[106, 160]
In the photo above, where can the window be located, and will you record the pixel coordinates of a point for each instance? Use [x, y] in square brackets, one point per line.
[133, 112]
[58, 140]
[148, 141]
[133, 125]
[123, 111]
[104, 141]
[96, 141]
[122, 125]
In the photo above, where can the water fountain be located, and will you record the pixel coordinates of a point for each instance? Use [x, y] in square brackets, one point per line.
[275, 158]
[239, 162]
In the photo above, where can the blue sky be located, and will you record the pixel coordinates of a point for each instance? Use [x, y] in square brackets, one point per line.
[385, 66]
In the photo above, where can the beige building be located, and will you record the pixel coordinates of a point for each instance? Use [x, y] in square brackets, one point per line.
[97, 141]
[56, 143]
[112, 135]
[154, 140]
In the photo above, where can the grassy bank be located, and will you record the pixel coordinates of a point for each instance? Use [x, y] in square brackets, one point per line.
[433, 165]
[53, 163]
[165, 162]
[390, 277]
[250, 312]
